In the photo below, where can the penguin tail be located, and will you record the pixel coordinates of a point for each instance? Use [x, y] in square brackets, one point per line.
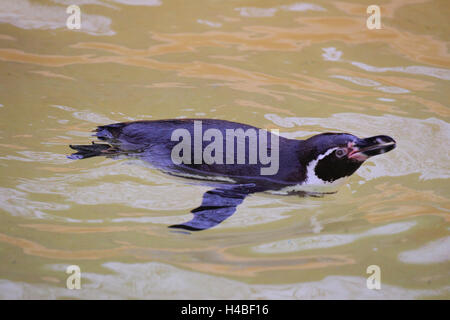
[91, 150]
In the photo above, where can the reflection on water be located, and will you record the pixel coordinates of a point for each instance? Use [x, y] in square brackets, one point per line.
[416, 145]
[27, 14]
[330, 240]
[301, 67]
[160, 281]
[433, 252]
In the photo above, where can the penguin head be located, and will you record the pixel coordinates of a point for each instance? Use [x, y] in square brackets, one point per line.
[338, 155]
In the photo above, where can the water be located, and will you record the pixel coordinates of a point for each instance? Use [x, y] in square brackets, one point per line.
[303, 68]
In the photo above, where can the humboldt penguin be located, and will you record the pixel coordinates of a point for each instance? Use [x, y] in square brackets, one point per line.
[310, 167]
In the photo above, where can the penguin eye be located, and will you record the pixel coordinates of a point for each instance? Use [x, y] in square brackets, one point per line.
[341, 152]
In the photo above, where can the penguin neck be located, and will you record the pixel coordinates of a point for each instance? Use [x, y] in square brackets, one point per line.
[315, 183]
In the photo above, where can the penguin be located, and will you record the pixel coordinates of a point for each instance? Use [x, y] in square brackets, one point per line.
[311, 167]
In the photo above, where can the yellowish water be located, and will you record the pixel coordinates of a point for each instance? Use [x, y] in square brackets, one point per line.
[301, 67]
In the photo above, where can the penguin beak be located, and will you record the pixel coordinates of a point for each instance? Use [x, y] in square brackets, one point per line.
[369, 147]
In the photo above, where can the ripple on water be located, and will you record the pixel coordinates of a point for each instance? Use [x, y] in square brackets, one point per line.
[331, 240]
[155, 280]
[417, 139]
[437, 251]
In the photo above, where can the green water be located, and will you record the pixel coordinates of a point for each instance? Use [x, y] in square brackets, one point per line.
[302, 69]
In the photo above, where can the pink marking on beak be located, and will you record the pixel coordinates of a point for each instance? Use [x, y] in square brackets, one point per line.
[354, 153]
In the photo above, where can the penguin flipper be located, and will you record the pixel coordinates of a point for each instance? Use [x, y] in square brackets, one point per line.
[217, 205]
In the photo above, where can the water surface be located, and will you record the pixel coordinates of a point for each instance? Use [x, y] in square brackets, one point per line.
[303, 68]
